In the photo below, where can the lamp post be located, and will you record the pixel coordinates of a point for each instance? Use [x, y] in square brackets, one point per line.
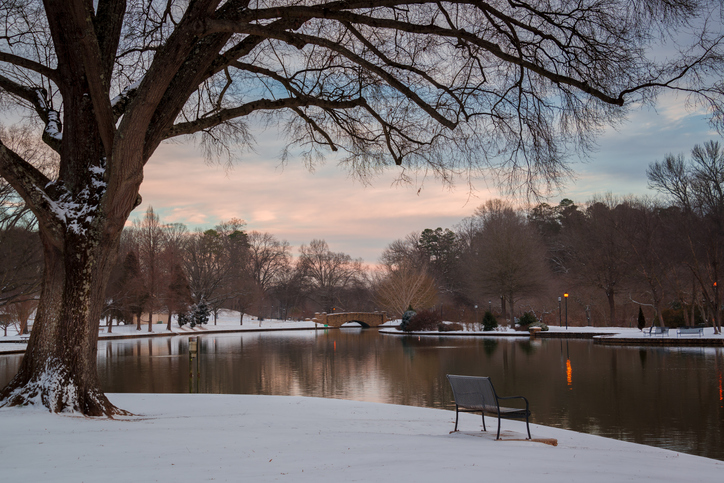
[565, 295]
[560, 322]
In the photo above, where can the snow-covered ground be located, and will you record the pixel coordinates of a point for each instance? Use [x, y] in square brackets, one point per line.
[614, 332]
[193, 438]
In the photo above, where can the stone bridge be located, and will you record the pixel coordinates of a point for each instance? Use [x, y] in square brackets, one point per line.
[365, 319]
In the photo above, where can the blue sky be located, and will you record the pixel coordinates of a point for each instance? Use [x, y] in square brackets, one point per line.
[297, 205]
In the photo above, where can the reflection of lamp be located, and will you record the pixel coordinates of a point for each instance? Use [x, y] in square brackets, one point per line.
[565, 295]
[569, 374]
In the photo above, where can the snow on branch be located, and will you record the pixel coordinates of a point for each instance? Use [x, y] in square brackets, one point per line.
[78, 212]
[122, 100]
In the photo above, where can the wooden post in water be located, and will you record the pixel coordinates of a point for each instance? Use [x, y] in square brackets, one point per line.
[193, 353]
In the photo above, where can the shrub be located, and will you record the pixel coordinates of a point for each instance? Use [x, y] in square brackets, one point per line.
[489, 321]
[452, 326]
[409, 314]
[198, 314]
[674, 317]
[424, 321]
[527, 319]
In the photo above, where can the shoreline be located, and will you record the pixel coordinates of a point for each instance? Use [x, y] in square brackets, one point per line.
[611, 336]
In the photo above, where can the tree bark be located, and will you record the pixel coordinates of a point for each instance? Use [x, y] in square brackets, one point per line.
[59, 369]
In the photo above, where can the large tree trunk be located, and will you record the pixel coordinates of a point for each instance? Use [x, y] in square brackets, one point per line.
[611, 296]
[59, 368]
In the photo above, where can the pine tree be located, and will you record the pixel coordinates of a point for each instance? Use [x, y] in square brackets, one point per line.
[201, 313]
[642, 319]
[489, 321]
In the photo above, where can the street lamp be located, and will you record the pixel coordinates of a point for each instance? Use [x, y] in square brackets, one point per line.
[565, 295]
[560, 322]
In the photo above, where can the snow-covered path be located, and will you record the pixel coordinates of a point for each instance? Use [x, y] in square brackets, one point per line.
[194, 438]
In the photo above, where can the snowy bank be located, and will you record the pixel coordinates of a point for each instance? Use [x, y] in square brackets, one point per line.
[180, 438]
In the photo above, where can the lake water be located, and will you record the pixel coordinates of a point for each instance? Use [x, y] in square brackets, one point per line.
[667, 397]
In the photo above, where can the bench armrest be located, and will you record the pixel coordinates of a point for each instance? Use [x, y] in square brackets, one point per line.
[516, 397]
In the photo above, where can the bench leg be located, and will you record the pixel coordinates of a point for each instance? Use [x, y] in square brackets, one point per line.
[484, 428]
[498, 436]
[456, 418]
[527, 426]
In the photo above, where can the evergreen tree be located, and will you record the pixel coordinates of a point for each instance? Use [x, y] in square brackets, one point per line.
[201, 313]
[642, 319]
[409, 314]
[489, 321]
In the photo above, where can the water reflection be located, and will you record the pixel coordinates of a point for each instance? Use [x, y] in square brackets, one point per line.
[671, 398]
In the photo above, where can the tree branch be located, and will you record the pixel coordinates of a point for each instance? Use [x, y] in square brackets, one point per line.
[220, 117]
[36, 97]
[37, 67]
[31, 184]
[298, 40]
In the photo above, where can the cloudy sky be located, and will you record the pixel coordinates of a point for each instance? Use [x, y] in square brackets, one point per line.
[298, 205]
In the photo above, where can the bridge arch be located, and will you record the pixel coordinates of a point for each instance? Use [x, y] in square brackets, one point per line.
[365, 319]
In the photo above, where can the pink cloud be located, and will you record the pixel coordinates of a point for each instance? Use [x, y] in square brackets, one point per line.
[295, 204]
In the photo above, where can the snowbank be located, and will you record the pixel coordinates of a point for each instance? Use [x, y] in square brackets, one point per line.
[180, 438]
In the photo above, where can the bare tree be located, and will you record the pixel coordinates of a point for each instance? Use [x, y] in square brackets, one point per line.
[175, 294]
[644, 227]
[327, 273]
[150, 240]
[396, 289]
[508, 255]
[214, 262]
[468, 85]
[599, 256]
[21, 312]
[697, 188]
[268, 259]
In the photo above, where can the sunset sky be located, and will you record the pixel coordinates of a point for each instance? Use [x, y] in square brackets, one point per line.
[297, 205]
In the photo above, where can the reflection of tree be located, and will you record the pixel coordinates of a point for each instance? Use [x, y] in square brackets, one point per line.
[526, 347]
[490, 346]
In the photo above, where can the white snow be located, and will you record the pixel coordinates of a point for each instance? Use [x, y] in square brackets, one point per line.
[52, 129]
[126, 92]
[79, 211]
[193, 438]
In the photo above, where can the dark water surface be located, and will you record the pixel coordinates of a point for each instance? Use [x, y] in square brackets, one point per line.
[667, 397]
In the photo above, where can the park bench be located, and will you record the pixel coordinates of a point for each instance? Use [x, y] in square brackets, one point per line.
[473, 394]
[690, 331]
[656, 330]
